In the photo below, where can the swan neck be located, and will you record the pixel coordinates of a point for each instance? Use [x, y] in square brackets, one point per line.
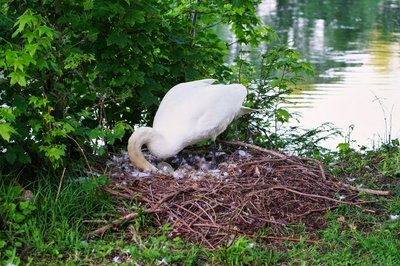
[140, 137]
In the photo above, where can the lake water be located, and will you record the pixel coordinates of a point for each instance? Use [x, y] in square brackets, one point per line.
[354, 47]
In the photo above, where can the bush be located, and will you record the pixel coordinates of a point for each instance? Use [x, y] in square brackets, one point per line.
[77, 75]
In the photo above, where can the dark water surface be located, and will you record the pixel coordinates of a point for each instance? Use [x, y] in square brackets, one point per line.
[355, 49]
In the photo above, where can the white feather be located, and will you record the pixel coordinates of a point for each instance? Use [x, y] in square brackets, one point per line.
[189, 112]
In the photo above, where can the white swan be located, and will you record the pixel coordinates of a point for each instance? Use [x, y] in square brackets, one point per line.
[189, 112]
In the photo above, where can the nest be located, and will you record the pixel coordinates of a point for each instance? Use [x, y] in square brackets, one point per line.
[251, 189]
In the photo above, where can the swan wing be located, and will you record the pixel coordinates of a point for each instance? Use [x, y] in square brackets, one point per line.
[198, 110]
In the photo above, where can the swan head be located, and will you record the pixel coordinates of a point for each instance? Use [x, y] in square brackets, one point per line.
[140, 137]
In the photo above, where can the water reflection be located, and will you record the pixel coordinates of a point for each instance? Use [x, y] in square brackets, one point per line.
[354, 47]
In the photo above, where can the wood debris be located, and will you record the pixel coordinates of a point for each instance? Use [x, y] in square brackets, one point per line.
[266, 189]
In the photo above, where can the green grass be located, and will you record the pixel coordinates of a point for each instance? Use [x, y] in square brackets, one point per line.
[46, 231]
[45, 227]
[356, 240]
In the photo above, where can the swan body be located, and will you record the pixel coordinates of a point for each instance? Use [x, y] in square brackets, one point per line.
[189, 112]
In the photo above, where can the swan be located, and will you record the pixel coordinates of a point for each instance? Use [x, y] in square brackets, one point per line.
[188, 113]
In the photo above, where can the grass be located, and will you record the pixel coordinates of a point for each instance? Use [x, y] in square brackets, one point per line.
[50, 228]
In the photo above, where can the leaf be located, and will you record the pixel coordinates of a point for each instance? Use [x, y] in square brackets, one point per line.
[148, 98]
[101, 180]
[18, 77]
[119, 131]
[118, 38]
[88, 5]
[11, 156]
[20, 104]
[88, 185]
[18, 217]
[24, 158]
[31, 48]
[282, 115]
[44, 30]
[343, 147]
[23, 20]
[68, 127]
[7, 114]
[75, 59]
[42, 64]
[135, 17]
[56, 152]
[6, 130]
[96, 133]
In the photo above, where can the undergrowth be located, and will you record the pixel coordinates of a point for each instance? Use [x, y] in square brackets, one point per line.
[49, 227]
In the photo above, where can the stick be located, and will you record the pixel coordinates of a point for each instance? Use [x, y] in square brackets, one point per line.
[84, 155]
[125, 196]
[60, 184]
[277, 154]
[321, 168]
[254, 147]
[315, 196]
[156, 208]
[366, 190]
[289, 239]
[117, 222]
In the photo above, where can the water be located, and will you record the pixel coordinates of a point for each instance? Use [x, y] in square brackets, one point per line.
[354, 47]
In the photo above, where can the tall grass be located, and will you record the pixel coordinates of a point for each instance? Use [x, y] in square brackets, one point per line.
[49, 224]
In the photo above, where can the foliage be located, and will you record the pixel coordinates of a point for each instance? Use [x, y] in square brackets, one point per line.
[78, 74]
[269, 80]
[357, 239]
[47, 223]
[243, 251]
[367, 166]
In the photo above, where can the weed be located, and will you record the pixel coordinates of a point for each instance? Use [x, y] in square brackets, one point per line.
[41, 225]
[244, 251]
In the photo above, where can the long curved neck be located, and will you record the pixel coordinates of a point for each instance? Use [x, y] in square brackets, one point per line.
[141, 136]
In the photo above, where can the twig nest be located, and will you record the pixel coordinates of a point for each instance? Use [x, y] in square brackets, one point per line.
[245, 191]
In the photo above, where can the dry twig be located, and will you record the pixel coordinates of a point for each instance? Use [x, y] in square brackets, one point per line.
[256, 192]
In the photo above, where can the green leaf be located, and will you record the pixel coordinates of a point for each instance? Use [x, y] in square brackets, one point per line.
[119, 132]
[31, 48]
[148, 98]
[42, 64]
[44, 30]
[11, 156]
[282, 115]
[6, 130]
[54, 153]
[20, 104]
[16, 154]
[101, 180]
[75, 59]
[96, 133]
[135, 17]
[118, 38]
[18, 77]
[343, 147]
[88, 5]
[24, 158]
[18, 217]
[7, 114]
[68, 127]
